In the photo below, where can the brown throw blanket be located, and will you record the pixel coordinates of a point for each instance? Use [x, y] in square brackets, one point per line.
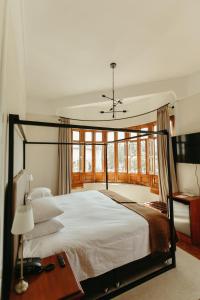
[159, 229]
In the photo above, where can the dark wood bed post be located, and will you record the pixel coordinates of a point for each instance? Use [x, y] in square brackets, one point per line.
[8, 216]
[106, 159]
[170, 202]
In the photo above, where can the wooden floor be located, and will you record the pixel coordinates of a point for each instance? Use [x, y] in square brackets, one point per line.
[185, 244]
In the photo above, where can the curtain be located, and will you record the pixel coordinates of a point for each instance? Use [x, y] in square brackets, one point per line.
[64, 159]
[163, 122]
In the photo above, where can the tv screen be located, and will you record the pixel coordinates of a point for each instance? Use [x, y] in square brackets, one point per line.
[186, 148]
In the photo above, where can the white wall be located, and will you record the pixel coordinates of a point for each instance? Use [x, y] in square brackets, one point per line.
[12, 90]
[42, 160]
[187, 113]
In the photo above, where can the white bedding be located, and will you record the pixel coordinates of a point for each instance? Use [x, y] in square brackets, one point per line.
[99, 234]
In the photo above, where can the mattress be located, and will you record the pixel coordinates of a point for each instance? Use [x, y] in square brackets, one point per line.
[98, 235]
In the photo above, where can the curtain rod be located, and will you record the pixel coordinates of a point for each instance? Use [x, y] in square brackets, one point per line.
[108, 120]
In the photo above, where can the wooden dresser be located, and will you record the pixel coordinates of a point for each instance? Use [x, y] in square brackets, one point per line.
[61, 283]
[194, 214]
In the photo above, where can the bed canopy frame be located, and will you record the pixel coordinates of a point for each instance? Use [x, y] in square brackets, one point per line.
[8, 208]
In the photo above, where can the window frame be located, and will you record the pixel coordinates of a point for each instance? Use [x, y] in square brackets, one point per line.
[120, 176]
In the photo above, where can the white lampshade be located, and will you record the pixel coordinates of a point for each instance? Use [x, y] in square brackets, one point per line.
[23, 220]
[30, 177]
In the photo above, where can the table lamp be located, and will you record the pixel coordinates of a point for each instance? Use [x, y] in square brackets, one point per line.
[23, 222]
[30, 178]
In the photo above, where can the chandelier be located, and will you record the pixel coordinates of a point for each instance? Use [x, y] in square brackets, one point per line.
[115, 102]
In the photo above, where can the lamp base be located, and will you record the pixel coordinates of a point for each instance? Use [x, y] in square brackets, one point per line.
[21, 286]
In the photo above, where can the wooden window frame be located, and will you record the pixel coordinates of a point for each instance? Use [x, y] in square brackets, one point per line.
[148, 178]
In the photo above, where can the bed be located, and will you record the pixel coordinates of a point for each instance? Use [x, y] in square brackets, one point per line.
[102, 238]
[99, 234]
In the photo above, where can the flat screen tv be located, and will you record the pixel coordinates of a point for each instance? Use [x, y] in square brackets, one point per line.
[186, 148]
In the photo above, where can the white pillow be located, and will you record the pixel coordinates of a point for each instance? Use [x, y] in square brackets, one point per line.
[44, 228]
[40, 192]
[45, 208]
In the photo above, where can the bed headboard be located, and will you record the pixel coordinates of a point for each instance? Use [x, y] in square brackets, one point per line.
[20, 188]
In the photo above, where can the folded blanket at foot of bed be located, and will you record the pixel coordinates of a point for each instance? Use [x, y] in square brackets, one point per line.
[159, 226]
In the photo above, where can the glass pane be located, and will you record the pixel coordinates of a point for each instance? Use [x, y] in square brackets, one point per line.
[111, 159]
[88, 136]
[110, 136]
[171, 127]
[151, 147]
[121, 157]
[145, 129]
[133, 134]
[88, 158]
[133, 166]
[76, 158]
[76, 135]
[99, 158]
[151, 156]
[151, 165]
[99, 136]
[156, 157]
[143, 157]
[155, 129]
[121, 135]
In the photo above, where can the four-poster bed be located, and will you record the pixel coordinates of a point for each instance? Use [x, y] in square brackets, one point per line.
[117, 272]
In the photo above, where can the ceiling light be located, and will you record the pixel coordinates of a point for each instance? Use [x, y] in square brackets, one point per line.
[115, 102]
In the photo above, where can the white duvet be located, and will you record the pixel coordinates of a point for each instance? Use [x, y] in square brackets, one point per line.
[99, 234]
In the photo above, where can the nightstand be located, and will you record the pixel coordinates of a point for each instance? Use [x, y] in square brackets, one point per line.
[61, 283]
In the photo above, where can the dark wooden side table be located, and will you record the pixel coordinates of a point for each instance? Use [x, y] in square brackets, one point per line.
[61, 283]
[194, 212]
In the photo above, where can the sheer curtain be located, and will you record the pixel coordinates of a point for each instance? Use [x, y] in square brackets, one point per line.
[163, 122]
[64, 159]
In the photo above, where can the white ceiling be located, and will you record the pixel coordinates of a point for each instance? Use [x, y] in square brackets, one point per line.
[70, 43]
[134, 106]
